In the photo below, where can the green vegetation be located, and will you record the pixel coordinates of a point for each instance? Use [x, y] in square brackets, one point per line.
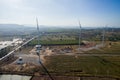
[55, 42]
[113, 48]
[5, 51]
[83, 65]
[71, 36]
[55, 39]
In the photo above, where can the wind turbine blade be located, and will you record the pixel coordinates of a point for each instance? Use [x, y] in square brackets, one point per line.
[38, 30]
[37, 24]
[79, 25]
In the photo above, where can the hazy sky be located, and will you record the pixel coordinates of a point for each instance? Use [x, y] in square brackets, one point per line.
[61, 12]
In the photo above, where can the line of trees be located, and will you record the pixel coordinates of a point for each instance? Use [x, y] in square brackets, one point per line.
[4, 51]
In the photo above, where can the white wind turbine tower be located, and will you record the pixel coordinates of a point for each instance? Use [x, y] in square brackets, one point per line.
[38, 29]
[103, 36]
[38, 48]
[79, 35]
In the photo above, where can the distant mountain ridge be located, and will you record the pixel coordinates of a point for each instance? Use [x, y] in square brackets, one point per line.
[13, 26]
[15, 29]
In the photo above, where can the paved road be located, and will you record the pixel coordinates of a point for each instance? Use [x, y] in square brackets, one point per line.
[28, 58]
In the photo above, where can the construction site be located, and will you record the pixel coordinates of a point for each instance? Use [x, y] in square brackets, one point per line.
[24, 60]
[61, 56]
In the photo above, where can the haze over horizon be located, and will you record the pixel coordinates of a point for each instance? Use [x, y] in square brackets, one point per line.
[61, 12]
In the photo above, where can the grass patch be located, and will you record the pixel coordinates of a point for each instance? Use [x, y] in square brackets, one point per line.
[54, 42]
[114, 48]
[83, 65]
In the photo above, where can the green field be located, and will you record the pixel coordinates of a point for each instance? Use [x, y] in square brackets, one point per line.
[83, 65]
[54, 42]
[114, 48]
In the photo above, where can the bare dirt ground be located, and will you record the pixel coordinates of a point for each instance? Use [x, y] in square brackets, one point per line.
[29, 55]
[31, 59]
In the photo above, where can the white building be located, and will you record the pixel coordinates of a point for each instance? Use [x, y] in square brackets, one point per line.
[15, 42]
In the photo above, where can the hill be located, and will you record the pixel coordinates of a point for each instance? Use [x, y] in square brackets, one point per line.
[15, 29]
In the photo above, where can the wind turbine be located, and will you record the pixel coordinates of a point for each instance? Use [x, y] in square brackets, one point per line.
[79, 35]
[103, 36]
[38, 48]
[38, 29]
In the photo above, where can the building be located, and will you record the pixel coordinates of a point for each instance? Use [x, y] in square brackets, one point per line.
[5, 46]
